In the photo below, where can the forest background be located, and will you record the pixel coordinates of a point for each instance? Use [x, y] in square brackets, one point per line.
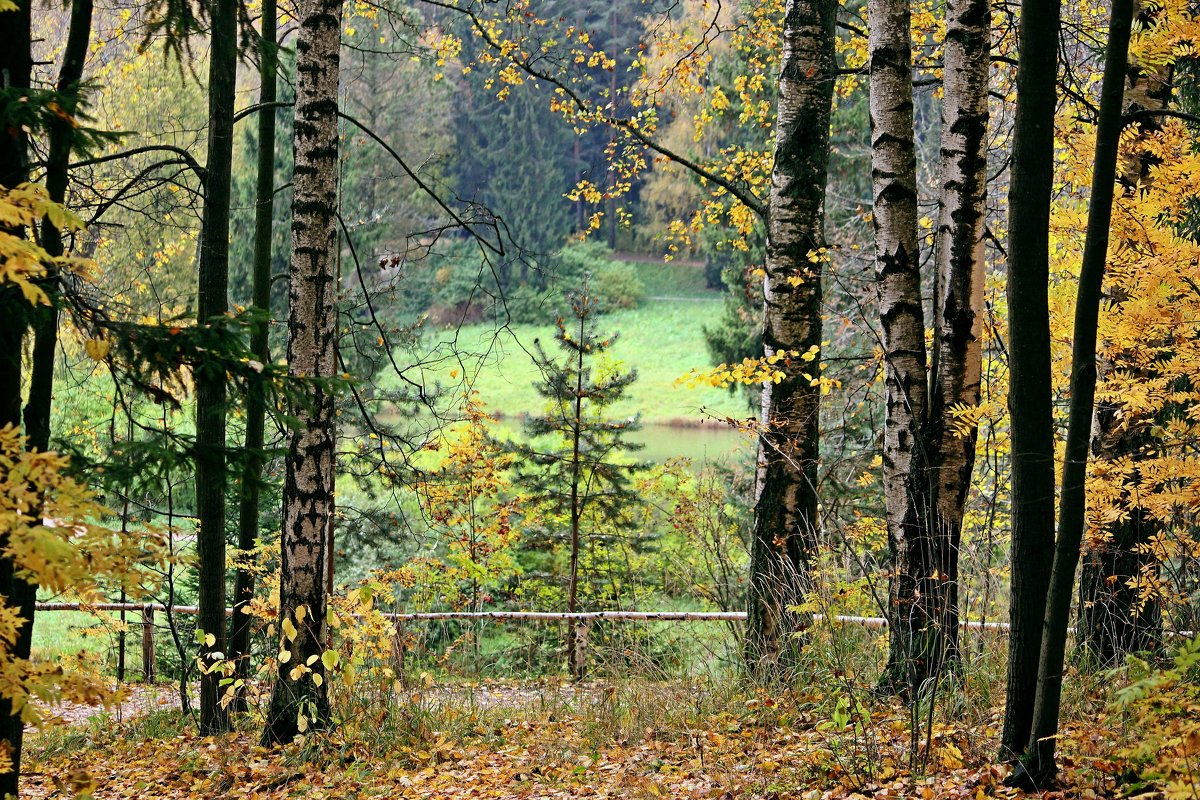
[508, 182]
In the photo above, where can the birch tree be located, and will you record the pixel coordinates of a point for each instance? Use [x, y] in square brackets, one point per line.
[927, 467]
[957, 300]
[786, 523]
[902, 318]
[299, 699]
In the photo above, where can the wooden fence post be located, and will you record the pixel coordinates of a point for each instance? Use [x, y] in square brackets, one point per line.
[148, 665]
[579, 648]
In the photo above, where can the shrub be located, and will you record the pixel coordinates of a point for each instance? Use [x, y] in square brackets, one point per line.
[618, 286]
[614, 284]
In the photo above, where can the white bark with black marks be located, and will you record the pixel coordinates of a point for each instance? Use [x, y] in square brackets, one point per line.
[958, 299]
[786, 523]
[902, 319]
[308, 499]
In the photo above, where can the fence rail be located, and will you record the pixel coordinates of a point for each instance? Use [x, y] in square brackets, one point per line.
[148, 610]
[659, 616]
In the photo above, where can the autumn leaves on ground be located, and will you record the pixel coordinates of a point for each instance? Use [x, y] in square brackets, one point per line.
[328, 330]
[625, 739]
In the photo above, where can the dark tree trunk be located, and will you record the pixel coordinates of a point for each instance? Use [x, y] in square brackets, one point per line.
[16, 65]
[1115, 618]
[1039, 765]
[786, 524]
[251, 486]
[308, 501]
[62, 137]
[1029, 397]
[213, 303]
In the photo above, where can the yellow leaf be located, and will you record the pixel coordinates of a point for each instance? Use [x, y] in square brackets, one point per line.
[97, 349]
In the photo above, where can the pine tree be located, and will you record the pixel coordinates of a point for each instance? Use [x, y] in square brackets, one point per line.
[572, 455]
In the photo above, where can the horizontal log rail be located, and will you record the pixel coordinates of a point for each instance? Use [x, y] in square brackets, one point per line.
[583, 616]
[417, 616]
[148, 610]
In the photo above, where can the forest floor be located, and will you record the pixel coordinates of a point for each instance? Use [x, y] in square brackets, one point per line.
[546, 740]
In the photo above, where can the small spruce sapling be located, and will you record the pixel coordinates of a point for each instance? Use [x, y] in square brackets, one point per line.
[575, 459]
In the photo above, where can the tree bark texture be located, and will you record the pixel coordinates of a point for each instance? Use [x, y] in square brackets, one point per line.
[308, 504]
[16, 65]
[1113, 619]
[907, 492]
[958, 300]
[786, 524]
[212, 305]
[251, 486]
[1029, 397]
[1040, 765]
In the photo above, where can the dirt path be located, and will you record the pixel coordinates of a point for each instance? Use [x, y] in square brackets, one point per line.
[140, 699]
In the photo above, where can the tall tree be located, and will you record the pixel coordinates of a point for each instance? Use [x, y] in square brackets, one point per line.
[902, 318]
[957, 301]
[59, 149]
[786, 524]
[1039, 766]
[1116, 617]
[212, 305]
[264, 207]
[1029, 398]
[299, 698]
[16, 65]
[45, 327]
[927, 468]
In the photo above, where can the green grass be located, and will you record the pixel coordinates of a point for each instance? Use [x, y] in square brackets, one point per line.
[672, 279]
[58, 634]
[662, 340]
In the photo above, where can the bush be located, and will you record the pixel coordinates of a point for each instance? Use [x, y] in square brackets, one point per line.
[618, 286]
[613, 283]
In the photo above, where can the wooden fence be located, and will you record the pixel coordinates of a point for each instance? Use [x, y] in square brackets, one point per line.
[147, 612]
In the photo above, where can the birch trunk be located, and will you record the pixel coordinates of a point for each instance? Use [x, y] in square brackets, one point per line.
[297, 700]
[902, 318]
[958, 301]
[786, 524]
[1029, 396]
